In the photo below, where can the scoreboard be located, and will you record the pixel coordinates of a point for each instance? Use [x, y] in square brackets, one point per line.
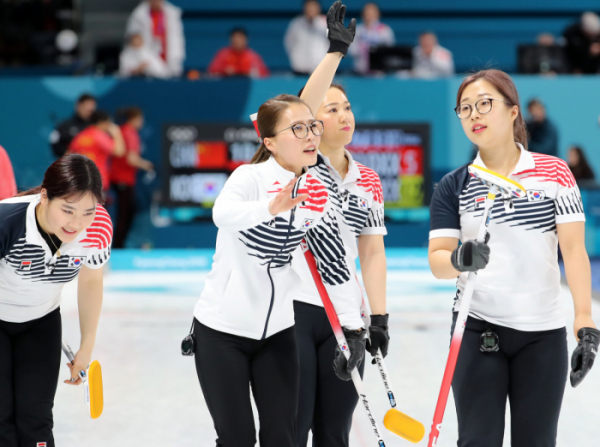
[198, 159]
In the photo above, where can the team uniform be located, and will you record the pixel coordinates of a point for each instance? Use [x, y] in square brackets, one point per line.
[326, 402]
[244, 319]
[517, 296]
[32, 276]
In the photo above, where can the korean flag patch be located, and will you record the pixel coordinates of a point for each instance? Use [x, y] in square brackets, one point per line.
[307, 223]
[535, 196]
[362, 203]
[76, 261]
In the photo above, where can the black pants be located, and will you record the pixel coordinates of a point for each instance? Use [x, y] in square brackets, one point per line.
[125, 210]
[326, 402]
[29, 365]
[227, 364]
[530, 369]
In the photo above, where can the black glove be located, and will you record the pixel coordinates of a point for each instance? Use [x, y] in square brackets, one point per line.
[584, 354]
[379, 338]
[471, 256]
[339, 36]
[356, 344]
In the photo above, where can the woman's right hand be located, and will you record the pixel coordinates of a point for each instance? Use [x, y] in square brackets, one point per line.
[471, 256]
[283, 201]
[339, 36]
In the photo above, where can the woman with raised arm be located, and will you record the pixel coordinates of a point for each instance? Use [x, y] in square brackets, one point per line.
[244, 321]
[49, 236]
[514, 346]
[327, 403]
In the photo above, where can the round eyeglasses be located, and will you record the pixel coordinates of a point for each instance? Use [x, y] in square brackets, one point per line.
[483, 106]
[301, 130]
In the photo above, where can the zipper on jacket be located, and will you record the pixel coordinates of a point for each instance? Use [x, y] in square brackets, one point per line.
[287, 237]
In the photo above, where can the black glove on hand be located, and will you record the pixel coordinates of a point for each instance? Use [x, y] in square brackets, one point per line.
[379, 338]
[471, 256]
[584, 354]
[339, 36]
[356, 344]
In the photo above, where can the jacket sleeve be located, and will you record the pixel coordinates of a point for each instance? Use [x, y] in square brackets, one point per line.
[234, 209]
[12, 225]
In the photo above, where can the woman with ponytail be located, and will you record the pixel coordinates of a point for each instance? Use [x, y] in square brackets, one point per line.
[49, 236]
[243, 328]
[515, 342]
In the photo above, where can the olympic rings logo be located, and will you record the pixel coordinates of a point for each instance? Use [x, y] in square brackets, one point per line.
[182, 133]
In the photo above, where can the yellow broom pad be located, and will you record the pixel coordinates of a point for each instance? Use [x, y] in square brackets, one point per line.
[404, 426]
[96, 390]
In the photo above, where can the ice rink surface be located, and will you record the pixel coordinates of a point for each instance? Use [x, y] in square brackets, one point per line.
[151, 393]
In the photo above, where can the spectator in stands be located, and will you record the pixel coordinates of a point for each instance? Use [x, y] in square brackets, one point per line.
[8, 186]
[545, 39]
[583, 44]
[306, 39]
[61, 137]
[98, 142]
[579, 165]
[542, 133]
[138, 60]
[430, 60]
[370, 33]
[237, 59]
[159, 23]
[123, 174]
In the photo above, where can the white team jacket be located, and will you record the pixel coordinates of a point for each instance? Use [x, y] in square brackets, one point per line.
[250, 289]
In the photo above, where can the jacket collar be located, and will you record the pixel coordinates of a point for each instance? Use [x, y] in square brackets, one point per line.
[525, 163]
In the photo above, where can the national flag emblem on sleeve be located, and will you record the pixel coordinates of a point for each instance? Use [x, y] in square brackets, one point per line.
[479, 202]
[25, 265]
[76, 261]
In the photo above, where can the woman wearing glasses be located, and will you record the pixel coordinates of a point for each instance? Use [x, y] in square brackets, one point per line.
[243, 326]
[327, 403]
[49, 236]
[517, 299]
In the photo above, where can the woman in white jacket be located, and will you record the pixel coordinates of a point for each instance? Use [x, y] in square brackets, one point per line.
[244, 320]
[159, 23]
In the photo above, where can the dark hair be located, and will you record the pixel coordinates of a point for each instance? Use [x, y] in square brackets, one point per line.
[534, 102]
[340, 87]
[129, 113]
[238, 29]
[506, 87]
[85, 97]
[268, 117]
[71, 175]
[582, 170]
[99, 116]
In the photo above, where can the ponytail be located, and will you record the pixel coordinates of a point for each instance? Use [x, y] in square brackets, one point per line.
[520, 130]
[261, 155]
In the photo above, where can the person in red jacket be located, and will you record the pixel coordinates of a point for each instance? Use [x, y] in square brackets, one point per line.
[98, 142]
[237, 59]
[8, 186]
[123, 174]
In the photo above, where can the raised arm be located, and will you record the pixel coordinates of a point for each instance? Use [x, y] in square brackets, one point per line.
[340, 39]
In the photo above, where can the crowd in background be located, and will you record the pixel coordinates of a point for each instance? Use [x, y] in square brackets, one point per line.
[46, 32]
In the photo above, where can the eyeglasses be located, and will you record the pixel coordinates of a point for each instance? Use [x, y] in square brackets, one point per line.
[301, 130]
[483, 106]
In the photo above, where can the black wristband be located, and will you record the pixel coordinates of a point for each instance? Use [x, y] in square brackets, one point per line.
[335, 46]
[380, 320]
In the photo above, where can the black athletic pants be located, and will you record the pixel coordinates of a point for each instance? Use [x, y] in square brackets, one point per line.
[530, 369]
[227, 364]
[29, 365]
[125, 209]
[326, 402]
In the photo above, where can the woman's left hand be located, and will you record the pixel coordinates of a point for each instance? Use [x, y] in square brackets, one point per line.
[81, 362]
[583, 320]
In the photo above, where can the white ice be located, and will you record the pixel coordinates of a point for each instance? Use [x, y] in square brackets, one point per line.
[151, 393]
